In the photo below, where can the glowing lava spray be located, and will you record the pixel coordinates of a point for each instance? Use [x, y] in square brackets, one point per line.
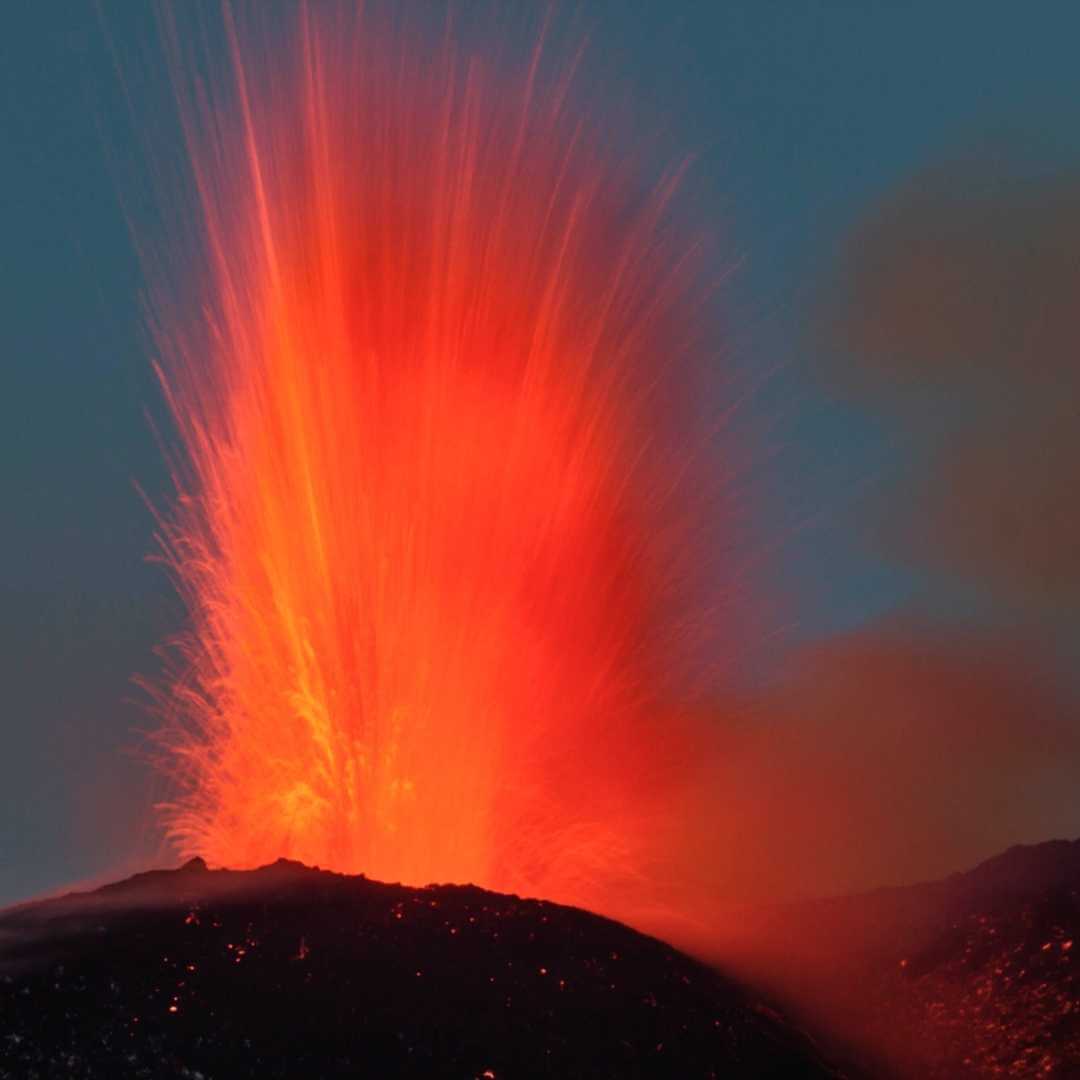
[433, 529]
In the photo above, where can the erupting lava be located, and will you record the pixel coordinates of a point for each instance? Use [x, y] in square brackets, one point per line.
[430, 534]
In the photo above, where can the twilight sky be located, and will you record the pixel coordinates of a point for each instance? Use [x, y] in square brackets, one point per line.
[898, 191]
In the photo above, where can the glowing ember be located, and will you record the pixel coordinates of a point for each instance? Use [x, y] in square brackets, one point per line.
[428, 529]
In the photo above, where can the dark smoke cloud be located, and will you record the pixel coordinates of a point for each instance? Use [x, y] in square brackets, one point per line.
[970, 269]
[897, 754]
[955, 308]
[919, 745]
[995, 504]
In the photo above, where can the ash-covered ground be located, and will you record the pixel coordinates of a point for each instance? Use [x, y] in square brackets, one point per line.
[977, 975]
[290, 972]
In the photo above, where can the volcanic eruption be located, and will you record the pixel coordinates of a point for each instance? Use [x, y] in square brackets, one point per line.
[435, 369]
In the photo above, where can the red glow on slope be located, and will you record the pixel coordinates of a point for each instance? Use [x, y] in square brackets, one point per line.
[428, 530]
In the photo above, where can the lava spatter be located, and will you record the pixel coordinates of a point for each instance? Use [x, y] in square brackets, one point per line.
[432, 384]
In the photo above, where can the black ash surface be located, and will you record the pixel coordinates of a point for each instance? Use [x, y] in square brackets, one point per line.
[297, 973]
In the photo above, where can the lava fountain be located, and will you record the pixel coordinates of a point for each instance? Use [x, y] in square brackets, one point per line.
[431, 378]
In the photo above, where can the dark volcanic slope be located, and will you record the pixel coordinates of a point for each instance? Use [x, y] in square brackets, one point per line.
[973, 976]
[297, 973]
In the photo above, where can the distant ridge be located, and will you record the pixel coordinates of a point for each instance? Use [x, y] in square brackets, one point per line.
[975, 975]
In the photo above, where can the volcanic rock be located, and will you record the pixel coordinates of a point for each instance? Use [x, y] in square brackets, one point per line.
[291, 972]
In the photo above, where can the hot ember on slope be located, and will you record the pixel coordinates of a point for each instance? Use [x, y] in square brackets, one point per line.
[427, 378]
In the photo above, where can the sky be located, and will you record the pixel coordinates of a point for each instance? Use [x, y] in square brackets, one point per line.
[848, 153]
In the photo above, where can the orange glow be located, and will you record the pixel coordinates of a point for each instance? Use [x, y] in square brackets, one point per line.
[428, 531]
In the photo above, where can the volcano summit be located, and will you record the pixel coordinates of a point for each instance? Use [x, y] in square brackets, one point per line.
[288, 971]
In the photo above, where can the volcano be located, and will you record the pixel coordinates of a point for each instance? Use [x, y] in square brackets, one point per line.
[288, 971]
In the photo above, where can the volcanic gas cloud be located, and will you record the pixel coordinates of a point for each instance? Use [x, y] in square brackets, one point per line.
[432, 377]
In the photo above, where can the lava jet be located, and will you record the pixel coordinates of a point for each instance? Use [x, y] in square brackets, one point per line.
[433, 348]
